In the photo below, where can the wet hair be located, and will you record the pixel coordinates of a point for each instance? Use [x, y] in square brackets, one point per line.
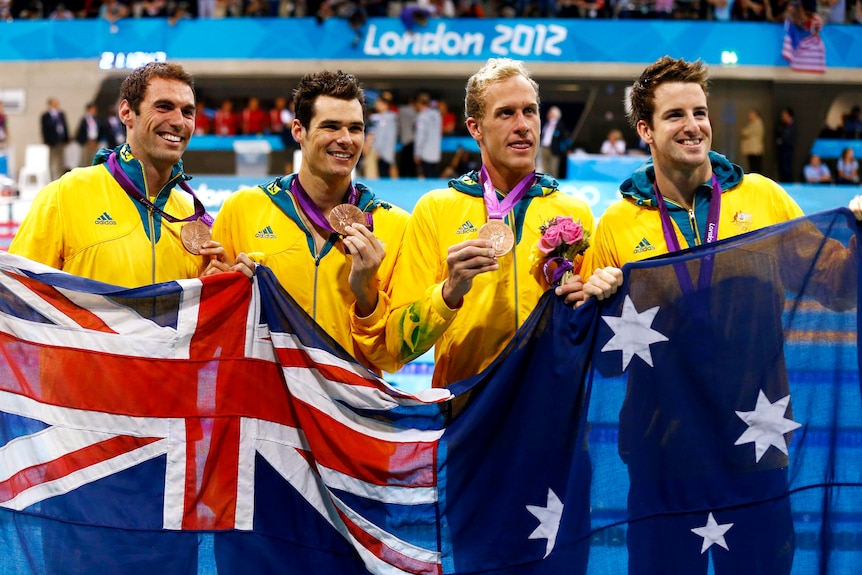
[663, 70]
[333, 84]
[495, 70]
[134, 87]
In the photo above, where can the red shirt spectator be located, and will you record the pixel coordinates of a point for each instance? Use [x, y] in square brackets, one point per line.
[226, 120]
[203, 123]
[254, 119]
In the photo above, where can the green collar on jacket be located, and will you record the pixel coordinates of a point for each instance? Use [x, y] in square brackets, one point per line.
[545, 185]
[135, 171]
[639, 188]
[279, 192]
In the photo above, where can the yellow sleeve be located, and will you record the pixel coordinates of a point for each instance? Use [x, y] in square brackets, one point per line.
[369, 332]
[40, 236]
[419, 315]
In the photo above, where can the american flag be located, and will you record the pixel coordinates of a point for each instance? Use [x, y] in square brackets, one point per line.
[803, 47]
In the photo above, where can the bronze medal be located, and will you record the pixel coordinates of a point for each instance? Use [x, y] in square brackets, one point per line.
[501, 236]
[342, 215]
[194, 234]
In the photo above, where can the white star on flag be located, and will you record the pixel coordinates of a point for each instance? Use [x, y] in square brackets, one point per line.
[712, 533]
[766, 425]
[549, 520]
[633, 333]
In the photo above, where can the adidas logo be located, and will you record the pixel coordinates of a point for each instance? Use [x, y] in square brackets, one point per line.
[466, 228]
[105, 220]
[643, 246]
[266, 233]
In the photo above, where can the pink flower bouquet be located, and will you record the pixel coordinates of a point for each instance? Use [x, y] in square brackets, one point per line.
[563, 239]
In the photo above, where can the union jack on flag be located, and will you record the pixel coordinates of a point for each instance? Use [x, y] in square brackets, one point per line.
[206, 426]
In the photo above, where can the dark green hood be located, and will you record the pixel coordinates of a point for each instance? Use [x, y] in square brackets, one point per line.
[640, 189]
[639, 186]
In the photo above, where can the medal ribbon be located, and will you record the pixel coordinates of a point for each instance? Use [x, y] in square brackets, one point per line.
[129, 186]
[497, 209]
[313, 212]
[711, 236]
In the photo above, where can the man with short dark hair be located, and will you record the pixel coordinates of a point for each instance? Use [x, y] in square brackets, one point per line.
[130, 219]
[330, 241]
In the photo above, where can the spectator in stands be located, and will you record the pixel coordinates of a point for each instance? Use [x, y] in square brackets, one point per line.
[853, 124]
[206, 8]
[60, 12]
[553, 143]
[721, 9]
[469, 9]
[786, 142]
[751, 10]
[452, 288]
[203, 120]
[225, 122]
[151, 9]
[113, 130]
[414, 16]
[429, 137]
[751, 141]
[89, 134]
[816, 172]
[281, 119]
[832, 11]
[29, 10]
[256, 8]
[407, 137]
[384, 137]
[113, 11]
[462, 162]
[847, 168]
[4, 127]
[615, 145]
[340, 278]
[6, 11]
[377, 8]
[228, 9]
[447, 117]
[279, 116]
[776, 10]
[254, 119]
[55, 134]
[181, 12]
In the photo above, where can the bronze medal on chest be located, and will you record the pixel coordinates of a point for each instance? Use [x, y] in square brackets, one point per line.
[501, 236]
[194, 234]
[342, 215]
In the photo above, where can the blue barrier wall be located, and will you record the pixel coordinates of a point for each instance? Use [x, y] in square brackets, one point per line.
[533, 40]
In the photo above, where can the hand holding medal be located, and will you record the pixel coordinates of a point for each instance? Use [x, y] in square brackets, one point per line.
[500, 235]
[193, 235]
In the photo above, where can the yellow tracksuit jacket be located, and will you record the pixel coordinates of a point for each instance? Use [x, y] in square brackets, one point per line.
[468, 339]
[264, 221]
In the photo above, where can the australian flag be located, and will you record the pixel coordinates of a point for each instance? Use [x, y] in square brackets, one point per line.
[706, 419]
[725, 408]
